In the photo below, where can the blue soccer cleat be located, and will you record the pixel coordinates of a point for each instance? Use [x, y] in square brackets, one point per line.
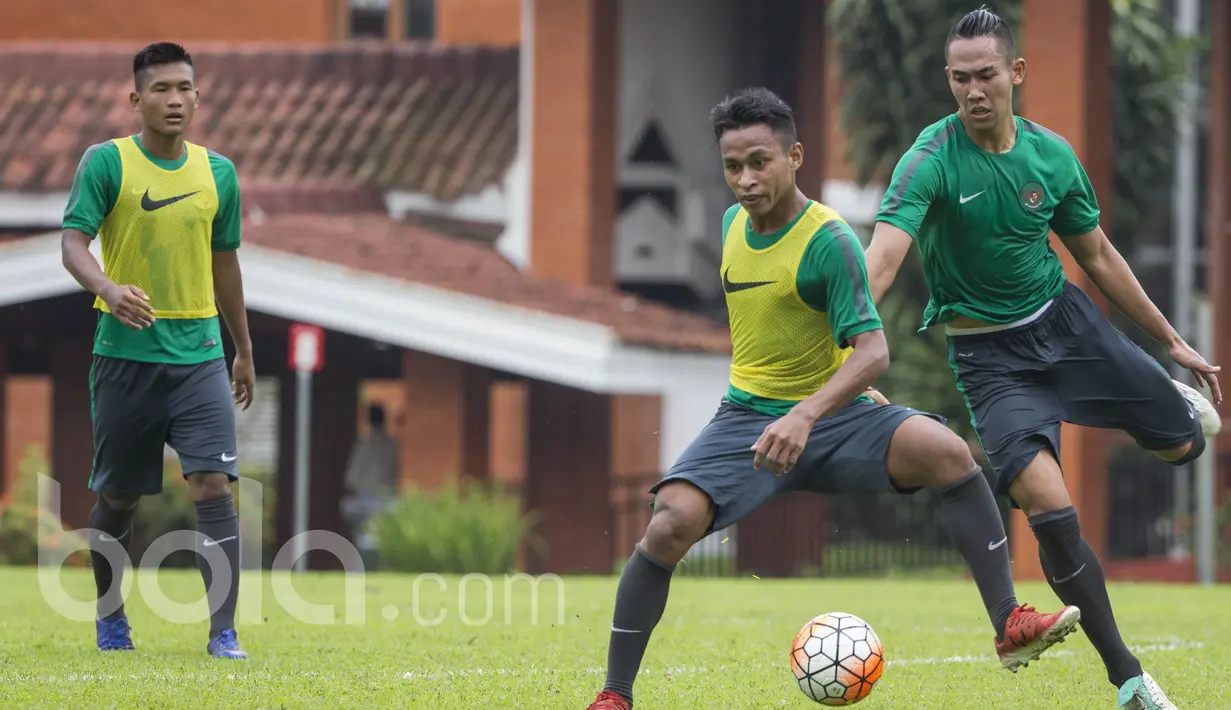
[226, 645]
[113, 634]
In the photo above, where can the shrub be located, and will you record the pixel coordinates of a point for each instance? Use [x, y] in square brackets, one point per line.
[459, 529]
[23, 531]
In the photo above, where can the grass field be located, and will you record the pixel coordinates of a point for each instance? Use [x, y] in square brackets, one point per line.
[723, 643]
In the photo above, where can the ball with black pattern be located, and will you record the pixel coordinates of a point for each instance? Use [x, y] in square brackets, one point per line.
[837, 659]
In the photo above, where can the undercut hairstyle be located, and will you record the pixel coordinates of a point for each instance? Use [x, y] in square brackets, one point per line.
[751, 107]
[156, 54]
[983, 23]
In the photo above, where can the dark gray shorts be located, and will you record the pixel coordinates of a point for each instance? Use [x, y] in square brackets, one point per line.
[1071, 365]
[845, 454]
[138, 408]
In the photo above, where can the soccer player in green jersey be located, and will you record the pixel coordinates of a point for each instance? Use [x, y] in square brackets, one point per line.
[978, 193]
[167, 214]
[807, 342]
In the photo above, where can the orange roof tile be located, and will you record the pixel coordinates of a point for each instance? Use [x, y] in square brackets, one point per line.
[378, 244]
[439, 121]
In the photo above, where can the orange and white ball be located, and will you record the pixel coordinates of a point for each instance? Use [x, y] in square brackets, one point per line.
[837, 659]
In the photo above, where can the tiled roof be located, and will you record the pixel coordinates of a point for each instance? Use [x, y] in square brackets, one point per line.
[438, 121]
[378, 244]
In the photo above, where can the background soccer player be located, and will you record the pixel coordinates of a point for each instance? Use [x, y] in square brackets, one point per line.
[979, 192]
[807, 342]
[168, 215]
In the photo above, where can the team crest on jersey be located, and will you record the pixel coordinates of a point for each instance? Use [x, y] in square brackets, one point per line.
[1032, 195]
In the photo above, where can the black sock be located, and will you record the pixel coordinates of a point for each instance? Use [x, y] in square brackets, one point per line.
[217, 521]
[116, 525]
[1075, 575]
[641, 599]
[978, 531]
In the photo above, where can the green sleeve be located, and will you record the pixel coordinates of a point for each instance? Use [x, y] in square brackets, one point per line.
[1077, 213]
[833, 277]
[727, 219]
[914, 187]
[227, 222]
[96, 188]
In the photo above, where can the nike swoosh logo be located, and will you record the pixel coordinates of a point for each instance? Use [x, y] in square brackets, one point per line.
[211, 543]
[227, 459]
[732, 286]
[1061, 581]
[994, 545]
[149, 205]
[624, 631]
[964, 199]
[106, 538]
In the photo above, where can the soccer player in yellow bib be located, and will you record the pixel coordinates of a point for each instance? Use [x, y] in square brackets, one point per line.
[807, 344]
[167, 213]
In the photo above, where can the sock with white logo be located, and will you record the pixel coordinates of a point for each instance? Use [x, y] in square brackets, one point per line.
[641, 599]
[218, 523]
[1075, 575]
[978, 531]
[112, 532]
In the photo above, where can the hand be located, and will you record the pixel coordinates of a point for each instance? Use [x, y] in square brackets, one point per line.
[1203, 372]
[782, 442]
[243, 380]
[129, 305]
[877, 396]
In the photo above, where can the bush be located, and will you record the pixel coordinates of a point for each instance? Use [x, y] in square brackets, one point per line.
[471, 528]
[23, 531]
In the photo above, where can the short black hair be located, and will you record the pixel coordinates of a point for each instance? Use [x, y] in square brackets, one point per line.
[983, 23]
[158, 53]
[750, 107]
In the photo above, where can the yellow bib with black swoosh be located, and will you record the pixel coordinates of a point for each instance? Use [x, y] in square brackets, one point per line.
[781, 347]
[158, 235]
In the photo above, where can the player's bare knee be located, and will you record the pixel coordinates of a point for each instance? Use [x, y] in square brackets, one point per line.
[205, 485]
[1040, 488]
[924, 452]
[682, 515]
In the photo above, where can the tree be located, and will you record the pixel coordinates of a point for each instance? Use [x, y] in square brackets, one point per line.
[891, 65]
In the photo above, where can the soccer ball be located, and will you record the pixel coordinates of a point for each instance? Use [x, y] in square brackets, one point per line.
[837, 659]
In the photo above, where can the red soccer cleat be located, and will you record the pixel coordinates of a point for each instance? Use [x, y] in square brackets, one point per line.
[608, 700]
[1027, 634]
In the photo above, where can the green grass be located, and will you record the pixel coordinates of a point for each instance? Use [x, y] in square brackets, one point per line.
[721, 644]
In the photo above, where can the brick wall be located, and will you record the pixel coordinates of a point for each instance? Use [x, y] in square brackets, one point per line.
[144, 21]
[494, 22]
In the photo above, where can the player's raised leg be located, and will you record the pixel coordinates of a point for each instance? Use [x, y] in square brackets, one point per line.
[203, 434]
[925, 453]
[130, 425]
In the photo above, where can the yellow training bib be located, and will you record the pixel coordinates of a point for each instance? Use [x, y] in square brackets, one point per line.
[158, 235]
[782, 348]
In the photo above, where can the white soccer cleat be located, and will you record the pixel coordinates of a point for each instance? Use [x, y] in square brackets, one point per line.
[1211, 423]
[1142, 693]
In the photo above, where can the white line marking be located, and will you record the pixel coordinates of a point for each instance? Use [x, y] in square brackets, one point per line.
[1156, 646]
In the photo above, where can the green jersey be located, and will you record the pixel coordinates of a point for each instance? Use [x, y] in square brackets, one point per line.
[107, 190]
[981, 219]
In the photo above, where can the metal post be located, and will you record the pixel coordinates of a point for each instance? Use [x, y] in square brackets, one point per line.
[1185, 224]
[1206, 490]
[303, 419]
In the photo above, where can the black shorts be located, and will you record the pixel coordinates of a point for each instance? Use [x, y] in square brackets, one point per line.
[1069, 365]
[846, 453]
[139, 408]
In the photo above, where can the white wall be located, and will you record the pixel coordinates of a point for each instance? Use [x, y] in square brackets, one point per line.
[675, 63]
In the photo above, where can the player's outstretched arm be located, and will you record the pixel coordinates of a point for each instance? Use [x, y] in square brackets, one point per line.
[884, 257]
[869, 359]
[1109, 271]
